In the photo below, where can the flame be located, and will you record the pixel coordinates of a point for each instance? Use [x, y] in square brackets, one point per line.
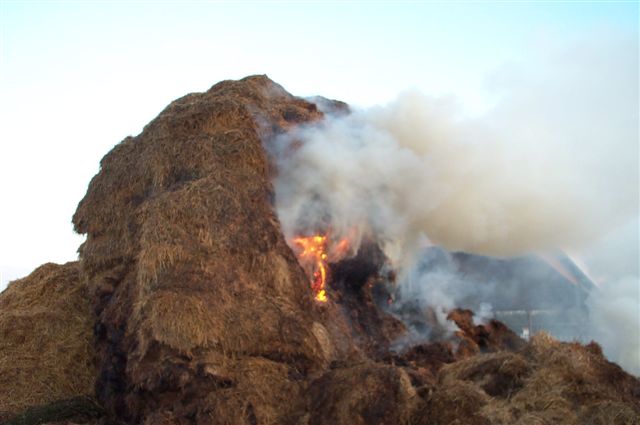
[313, 256]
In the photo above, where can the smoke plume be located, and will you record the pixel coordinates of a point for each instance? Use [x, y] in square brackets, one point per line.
[615, 318]
[554, 165]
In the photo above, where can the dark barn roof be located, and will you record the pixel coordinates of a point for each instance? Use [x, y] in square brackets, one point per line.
[528, 282]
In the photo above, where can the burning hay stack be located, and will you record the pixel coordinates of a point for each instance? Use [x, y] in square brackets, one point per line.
[202, 309]
[206, 313]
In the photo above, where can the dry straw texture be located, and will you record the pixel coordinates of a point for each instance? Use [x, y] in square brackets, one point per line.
[546, 382]
[45, 338]
[203, 315]
[186, 262]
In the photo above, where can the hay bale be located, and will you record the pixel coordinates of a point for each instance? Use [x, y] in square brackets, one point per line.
[364, 394]
[46, 341]
[186, 260]
[243, 392]
[264, 393]
[454, 402]
[499, 374]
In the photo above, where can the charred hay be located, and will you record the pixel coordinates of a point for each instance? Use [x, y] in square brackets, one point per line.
[360, 292]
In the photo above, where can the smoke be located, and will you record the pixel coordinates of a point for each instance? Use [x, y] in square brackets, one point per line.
[615, 306]
[614, 317]
[554, 165]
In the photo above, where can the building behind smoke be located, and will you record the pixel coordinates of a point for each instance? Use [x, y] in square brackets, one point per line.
[529, 293]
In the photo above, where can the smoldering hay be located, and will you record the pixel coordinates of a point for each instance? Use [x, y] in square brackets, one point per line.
[552, 166]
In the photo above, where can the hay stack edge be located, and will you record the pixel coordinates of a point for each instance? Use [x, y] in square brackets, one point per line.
[189, 307]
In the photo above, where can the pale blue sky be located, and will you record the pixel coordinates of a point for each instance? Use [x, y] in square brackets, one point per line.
[77, 77]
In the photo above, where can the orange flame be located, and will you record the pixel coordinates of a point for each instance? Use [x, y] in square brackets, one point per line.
[314, 258]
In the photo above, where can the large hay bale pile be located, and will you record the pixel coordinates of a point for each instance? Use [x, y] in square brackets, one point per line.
[46, 347]
[203, 314]
[191, 277]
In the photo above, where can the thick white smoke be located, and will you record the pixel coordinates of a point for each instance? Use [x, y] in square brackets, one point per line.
[615, 307]
[615, 320]
[553, 166]
[407, 171]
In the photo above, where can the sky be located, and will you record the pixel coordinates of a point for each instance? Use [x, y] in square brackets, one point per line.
[78, 77]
